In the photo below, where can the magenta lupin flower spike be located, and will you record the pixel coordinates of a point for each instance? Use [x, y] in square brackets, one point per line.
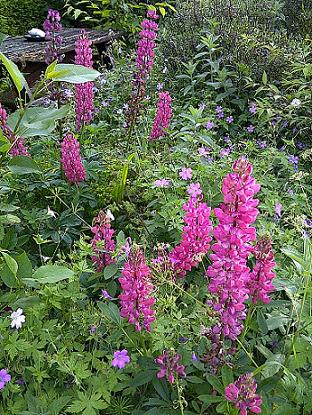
[136, 298]
[102, 242]
[71, 159]
[163, 116]
[229, 274]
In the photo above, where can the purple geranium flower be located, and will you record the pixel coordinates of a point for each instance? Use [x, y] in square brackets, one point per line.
[210, 125]
[186, 173]
[250, 128]
[253, 109]
[229, 119]
[203, 151]
[121, 358]
[5, 378]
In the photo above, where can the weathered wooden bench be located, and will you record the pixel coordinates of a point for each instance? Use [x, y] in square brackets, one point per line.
[30, 56]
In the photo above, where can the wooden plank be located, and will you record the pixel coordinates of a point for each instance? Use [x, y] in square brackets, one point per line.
[21, 51]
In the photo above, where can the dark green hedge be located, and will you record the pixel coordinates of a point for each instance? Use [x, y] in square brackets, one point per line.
[18, 16]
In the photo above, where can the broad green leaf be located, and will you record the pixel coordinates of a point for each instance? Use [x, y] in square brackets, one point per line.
[37, 121]
[74, 74]
[26, 302]
[215, 383]
[110, 271]
[264, 78]
[142, 378]
[209, 399]
[8, 277]
[21, 165]
[49, 274]
[227, 375]
[15, 74]
[11, 263]
[111, 311]
[24, 266]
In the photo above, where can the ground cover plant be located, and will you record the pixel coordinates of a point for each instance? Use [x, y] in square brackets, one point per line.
[155, 234]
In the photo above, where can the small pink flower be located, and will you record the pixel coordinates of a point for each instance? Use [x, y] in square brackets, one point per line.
[162, 183]
[186, 173]
[204, 151]
[278, 210]
[194, 189]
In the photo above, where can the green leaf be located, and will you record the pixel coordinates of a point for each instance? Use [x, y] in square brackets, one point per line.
[37, 121]
[11, 263]
[111, 311]
[50, 274]
[5, 144]
[264, 78]
[21, 165]
[15, 74]
[209, 399]
[74, 74]
[24, 266]
[215, 383]
[8, 277]
[142, 378]
[227, 375]
[110, 271]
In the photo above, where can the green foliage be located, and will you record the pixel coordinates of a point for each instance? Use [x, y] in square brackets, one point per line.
[19, 16]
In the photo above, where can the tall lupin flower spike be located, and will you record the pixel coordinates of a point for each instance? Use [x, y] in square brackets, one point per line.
[163, 116]
[229, 273]
[136, 298]
[52, 26]
[195, 242]
[71, 159]
[84, 92]
[102, 242]
[145, 56]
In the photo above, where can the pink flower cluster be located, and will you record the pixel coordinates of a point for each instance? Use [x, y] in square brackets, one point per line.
[146, 45]
[136, 300]
[102, 242]
[242, 393]
[18, 146]
[196, 237]
[169, 366]
[229, 273]
[71, 159]
[260, 283]
[163, 116]
[84, 92]
[52, 25]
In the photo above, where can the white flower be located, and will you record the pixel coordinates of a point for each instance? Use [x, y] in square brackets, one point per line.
[295, 102]
[17, 318]
[110, 215]
[51, 213]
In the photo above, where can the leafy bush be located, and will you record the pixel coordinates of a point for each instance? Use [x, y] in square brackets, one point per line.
[19, 16]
